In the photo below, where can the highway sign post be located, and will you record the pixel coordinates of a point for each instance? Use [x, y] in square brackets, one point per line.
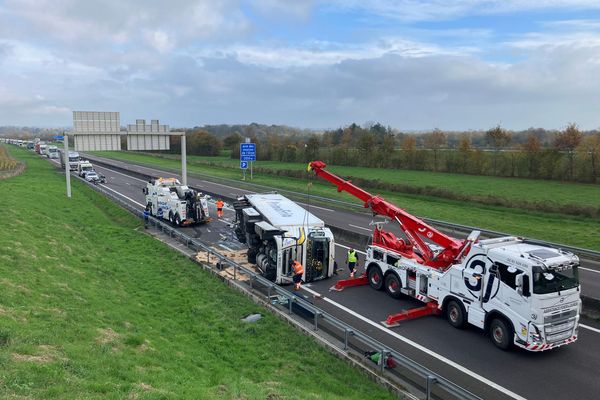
[247, 154]
[65, 156]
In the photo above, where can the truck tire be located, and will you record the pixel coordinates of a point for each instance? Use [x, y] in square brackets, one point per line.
[252, 255]
[456, 315]
[393, 285]
[149, 208]
[177, 221]
[500, 333]
[375, 277]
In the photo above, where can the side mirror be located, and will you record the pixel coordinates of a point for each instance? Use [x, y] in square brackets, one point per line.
[522, 284]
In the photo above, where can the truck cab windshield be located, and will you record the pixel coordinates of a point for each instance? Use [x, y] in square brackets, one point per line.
[554, 280]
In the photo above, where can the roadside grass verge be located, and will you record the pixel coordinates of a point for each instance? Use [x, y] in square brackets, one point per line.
[566, 229]
[529, 194]
[9, 167]
[90, 307]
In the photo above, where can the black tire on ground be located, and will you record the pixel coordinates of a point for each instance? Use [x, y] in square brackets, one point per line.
[252, 253]
[500, 333]
[393, 285]
[456, 315]
[177, 220]
[149, 208]
[375, 278]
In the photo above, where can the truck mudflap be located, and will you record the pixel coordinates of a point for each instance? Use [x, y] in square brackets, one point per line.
[545, 346]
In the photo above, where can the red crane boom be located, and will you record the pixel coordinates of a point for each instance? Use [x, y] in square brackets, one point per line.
[415, 229]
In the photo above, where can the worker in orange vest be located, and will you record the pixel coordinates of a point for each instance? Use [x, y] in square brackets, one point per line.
[298, 272]
[220, 208]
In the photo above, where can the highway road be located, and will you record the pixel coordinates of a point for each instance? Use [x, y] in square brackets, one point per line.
[465, 357]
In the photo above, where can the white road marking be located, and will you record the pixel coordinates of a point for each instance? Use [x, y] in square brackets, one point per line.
[422, 348]
[591, 270]
[590, 328]
[121, 194]
[313, 206]
[348, 248]
[359, 227]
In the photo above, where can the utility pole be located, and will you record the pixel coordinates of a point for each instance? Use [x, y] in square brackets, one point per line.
[183, 161]
[67, 166]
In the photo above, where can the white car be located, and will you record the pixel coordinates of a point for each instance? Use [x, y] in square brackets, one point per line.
[93, 176]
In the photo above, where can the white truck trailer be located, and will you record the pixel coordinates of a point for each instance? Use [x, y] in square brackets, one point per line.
[278, 231]
[167, 198]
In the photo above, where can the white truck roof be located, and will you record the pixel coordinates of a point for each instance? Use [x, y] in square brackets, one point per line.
[525, 254]
[281, 212]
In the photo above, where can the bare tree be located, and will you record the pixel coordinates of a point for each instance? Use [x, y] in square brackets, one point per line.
[590, 146]
[532, 148]
[409, 147]
[435, 141]
[498, 138]
[465, 150]
[567, 141]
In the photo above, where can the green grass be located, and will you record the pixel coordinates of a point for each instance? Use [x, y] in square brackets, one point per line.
[90, 307]
[576, 231]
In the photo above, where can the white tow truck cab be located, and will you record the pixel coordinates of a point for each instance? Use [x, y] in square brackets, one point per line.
[84, 167]
[167, 198]
[278, 231]
[521, 293]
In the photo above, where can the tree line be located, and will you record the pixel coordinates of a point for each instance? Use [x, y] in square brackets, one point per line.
[568, 154]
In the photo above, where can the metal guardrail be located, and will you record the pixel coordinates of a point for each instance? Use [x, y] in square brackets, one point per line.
[586, 253]
[432, 384]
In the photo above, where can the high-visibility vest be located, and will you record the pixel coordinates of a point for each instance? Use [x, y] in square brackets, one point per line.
[352, 256]
[219, 204]
[298, 268]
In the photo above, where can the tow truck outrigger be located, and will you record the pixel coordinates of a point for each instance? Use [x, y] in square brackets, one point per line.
[521, 293]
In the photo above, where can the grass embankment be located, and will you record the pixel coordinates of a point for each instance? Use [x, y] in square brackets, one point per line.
[566, 229]
[8, 165]
[92, 308]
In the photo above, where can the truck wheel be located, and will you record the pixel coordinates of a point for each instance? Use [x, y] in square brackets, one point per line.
[393, 285]
[455, 314]
[252, 256]
[177, 220]
[149, 208]
[375, 278]
[500, 334]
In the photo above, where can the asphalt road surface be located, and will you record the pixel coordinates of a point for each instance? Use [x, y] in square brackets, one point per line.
[466, 357]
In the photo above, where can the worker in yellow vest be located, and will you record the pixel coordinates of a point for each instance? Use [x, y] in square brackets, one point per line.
[352, 259]
[298, 272]
[220, 205]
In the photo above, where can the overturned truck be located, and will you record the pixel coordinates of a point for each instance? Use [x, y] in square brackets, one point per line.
[278, 231]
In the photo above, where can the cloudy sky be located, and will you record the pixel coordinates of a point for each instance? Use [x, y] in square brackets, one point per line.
[462, 64]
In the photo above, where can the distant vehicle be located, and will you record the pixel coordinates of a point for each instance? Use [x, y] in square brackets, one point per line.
[167, 198]
[73, 159]
[43, 149]
[30, 145]
[94, 177]
[52, 152]
[84, 167]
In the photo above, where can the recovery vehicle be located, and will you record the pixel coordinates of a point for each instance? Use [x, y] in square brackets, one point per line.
[523, 294]
[278, 231]
[168, 199]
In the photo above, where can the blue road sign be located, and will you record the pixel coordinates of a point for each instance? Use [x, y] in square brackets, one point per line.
[247, 152]
[244, 164]
[59, 138]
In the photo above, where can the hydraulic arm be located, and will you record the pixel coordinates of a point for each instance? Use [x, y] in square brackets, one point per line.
[416, 231]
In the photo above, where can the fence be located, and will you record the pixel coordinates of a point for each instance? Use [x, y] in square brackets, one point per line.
[346, 337]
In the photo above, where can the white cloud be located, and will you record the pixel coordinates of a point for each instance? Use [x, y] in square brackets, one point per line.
[427, 10]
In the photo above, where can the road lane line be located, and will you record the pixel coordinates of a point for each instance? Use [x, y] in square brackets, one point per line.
[590, 328]
[348, 248]
[313, 206]
[431, 353]
[591, 270]
[121, 194]
[359, 227]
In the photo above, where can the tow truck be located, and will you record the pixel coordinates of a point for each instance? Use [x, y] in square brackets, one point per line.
[168, 199]
[524, 294]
